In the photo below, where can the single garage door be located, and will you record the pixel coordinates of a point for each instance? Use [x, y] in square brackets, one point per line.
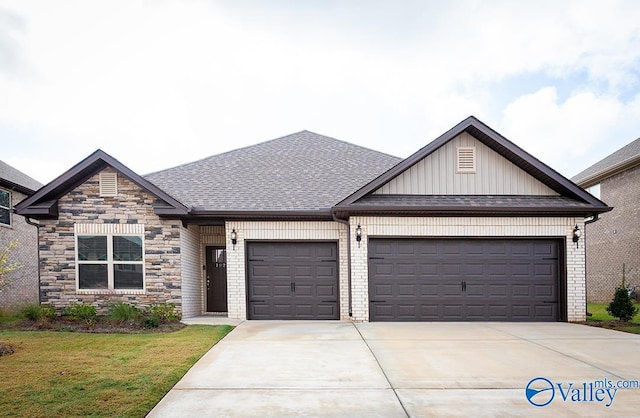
[292, 280]
[464, 280]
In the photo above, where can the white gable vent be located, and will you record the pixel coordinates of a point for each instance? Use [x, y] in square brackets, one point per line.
[466, 160]
[108, 184]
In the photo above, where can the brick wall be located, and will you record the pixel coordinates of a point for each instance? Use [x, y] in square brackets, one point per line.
[468, 227]
[615, 238]
[84, 207]
[23, 289]
[273, 231]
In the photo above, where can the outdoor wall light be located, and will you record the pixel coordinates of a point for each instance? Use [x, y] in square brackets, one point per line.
[234, 237]
[576, 234]
[358, 234]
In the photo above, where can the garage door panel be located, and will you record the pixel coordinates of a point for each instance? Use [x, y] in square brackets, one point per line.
[292, 280]
[504, 279]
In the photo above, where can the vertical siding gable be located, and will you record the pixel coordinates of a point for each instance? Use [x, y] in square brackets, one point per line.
[436, 174]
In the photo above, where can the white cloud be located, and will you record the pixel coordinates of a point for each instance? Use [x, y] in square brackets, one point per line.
[160, 83]
[566, 134]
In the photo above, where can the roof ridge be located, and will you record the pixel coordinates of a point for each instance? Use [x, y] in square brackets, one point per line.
[263, 143]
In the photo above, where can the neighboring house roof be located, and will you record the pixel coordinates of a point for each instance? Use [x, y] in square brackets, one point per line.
[299, 173]
[571, 200]
[44, 203]
[14, 179]
[623, 159]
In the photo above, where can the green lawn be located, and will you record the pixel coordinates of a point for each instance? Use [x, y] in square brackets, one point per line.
[600, 315]
[92, 375]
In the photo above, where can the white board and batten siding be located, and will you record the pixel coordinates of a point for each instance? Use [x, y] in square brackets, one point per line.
[438, 174]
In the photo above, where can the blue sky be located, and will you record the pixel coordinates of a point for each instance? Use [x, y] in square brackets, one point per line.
[161, 83]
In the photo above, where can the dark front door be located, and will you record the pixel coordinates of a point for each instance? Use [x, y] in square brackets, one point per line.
[464, 280]
[292, 280]
[216, 279]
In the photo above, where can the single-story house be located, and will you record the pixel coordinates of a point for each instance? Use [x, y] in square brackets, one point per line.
[614, 240]
[22, 287]
[470, 227]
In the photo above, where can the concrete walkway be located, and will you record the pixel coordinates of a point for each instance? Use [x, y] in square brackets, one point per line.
[294, 368]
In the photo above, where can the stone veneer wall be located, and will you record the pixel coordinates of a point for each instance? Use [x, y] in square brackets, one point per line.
[469, 227]
[133, 206]
[23, 287]
[615, 238]
[274, 231]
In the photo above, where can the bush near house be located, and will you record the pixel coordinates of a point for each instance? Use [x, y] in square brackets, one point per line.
[621, 306]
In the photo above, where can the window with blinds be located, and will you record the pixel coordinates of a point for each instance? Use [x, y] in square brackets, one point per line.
[466, 160]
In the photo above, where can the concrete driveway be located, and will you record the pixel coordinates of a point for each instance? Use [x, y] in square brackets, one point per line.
[293, 368]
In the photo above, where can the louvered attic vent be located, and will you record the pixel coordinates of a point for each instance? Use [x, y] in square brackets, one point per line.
[466, 161]
[108, 184]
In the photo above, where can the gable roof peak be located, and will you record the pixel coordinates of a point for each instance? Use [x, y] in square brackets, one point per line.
[498, 143]
[78, 174]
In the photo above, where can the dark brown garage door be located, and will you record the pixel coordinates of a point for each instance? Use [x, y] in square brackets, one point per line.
[463, 280]
[292, 280]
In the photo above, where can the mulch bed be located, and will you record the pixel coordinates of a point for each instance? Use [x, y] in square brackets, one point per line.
[101, 326]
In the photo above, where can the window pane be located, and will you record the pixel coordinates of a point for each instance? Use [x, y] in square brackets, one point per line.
[92, 276]
[127, 248]
[5, 216]
[127, 276]
[5, 202]
[92, 248]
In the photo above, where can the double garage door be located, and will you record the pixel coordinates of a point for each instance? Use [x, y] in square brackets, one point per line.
[464, 280]
[292, 280]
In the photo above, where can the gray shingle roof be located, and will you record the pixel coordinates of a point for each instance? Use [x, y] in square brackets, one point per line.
[629, 152]
[17, 177]
[470, 201]
[303, 171]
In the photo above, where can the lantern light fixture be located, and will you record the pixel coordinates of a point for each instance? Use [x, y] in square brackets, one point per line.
[234, 237]
[576, 234]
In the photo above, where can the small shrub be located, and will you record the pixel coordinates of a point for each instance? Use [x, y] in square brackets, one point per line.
[123, 312]
[150, 322]
[621, 306]
[165, 312]
[81, 312]
[37, 312]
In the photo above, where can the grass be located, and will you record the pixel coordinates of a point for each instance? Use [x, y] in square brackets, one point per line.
[600, 317]
[93, 375]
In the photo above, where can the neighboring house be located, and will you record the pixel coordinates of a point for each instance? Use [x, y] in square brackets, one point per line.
[23, 287]
[470, 227]
[615, 239]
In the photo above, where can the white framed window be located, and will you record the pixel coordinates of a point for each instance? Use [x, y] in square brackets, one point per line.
[108, 184]
[466, 160]
[110, 258]
[5, 207]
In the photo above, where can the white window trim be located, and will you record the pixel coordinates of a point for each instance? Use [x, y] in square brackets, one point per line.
[110, 230]
[10, 224]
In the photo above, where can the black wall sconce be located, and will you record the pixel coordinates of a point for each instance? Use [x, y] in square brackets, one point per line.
[576, 234]
[234, 238]
[358, 234]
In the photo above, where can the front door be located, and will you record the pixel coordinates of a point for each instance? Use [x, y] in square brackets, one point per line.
[216, 279]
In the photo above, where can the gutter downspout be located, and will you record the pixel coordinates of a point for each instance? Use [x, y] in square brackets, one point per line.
[590, 221]
[37, 225]
[345, 222]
